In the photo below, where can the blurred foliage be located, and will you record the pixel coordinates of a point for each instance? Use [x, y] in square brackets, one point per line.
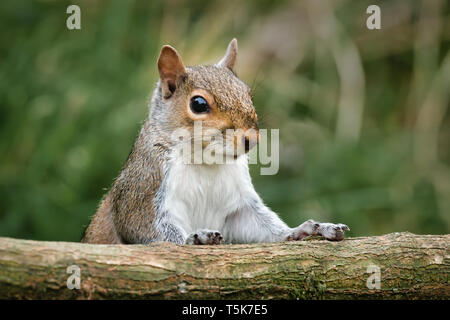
[363, 114]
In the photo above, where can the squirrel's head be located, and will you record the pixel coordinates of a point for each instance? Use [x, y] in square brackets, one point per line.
[211, 95]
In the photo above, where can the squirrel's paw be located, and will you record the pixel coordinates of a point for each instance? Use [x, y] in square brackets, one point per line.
[205, 236]
[330, 231]
[307, 228]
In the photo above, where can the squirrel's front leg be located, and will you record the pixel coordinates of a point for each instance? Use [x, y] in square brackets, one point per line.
[263, 225]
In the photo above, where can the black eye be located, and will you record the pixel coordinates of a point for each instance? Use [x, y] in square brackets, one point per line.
[199, 105]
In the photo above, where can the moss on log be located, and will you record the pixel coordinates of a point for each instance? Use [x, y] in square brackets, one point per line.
[410, 267]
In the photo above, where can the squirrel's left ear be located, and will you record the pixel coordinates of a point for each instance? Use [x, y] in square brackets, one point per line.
[171, 70]
[229, 59]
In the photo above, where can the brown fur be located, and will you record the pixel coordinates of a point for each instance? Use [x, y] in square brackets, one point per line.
[101, 229]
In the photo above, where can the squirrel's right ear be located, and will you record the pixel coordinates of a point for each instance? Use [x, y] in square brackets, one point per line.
[171, 70]
[230, 57]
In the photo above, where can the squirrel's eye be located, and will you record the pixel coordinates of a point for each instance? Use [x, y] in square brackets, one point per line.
[199, 105]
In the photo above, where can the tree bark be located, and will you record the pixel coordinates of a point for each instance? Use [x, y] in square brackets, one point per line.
[410, 267]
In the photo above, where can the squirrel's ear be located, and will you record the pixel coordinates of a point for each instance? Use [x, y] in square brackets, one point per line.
[171, 70]
[229, 59]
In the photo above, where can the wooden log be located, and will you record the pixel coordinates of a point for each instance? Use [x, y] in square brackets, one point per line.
[407, 266]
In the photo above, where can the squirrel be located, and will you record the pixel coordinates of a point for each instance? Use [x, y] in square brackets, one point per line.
[159, 197]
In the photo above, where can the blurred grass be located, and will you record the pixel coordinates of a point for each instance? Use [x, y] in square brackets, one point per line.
[363, 115]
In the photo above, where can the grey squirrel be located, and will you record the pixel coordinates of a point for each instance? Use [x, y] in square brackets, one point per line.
[159, 197]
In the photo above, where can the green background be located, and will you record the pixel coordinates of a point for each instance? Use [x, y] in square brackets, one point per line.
[363, 114]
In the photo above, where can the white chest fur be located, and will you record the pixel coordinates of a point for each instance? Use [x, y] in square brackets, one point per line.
[202, 196]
